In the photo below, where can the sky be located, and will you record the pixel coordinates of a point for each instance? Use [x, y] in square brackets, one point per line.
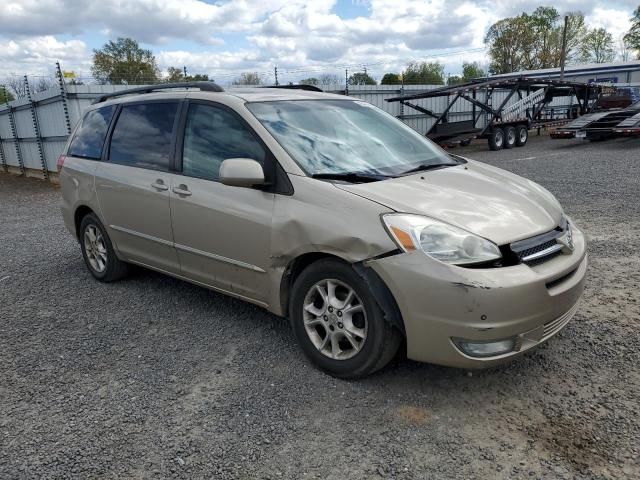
[302, 38]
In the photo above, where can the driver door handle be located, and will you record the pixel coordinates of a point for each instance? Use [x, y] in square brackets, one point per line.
[181, 190]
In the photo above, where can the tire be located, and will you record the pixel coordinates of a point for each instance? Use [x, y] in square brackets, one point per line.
[465, 143]
[97, 251]
[522, 135]
[496, 139]
[509, 137]
[323, 333]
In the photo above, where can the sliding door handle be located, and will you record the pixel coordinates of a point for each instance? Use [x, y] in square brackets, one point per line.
[181, 190]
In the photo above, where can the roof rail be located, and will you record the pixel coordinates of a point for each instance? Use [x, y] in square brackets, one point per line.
[204, 86]
[309, 88]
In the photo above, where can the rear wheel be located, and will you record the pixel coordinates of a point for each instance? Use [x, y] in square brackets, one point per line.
[338, 323]
[522, 135]
[98, 252]
[509, 137]
[496, 139]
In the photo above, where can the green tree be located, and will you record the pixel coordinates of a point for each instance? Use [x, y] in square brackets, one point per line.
[361, 78]
[5, 94]
[597, 47]
[472, 70]
[533, 41]
[175, 74]
[424, 73]
[248, 78]
[309, 81]
[632, 37]
[391, 79]
[124, 62]
[454, 80]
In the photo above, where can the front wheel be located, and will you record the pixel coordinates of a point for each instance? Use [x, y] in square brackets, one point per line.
[338, 323]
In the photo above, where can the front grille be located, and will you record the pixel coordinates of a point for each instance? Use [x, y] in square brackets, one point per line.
[539, 249]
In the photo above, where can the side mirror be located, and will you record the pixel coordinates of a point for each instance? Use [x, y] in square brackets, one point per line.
[241, 172]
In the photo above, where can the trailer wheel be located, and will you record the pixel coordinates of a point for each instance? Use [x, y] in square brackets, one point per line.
[509, 137]
[496, 139]
[522, 135]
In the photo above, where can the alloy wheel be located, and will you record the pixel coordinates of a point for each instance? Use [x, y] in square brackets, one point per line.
[335, 319]
[95, 248]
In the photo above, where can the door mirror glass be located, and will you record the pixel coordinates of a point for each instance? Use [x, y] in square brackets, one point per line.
[241, 172]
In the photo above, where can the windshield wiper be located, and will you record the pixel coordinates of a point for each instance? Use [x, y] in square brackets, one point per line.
[429, 166]
[353, 177]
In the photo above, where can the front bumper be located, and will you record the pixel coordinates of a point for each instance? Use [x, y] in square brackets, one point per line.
[439, 302]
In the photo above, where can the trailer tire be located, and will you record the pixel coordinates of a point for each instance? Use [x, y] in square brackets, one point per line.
[496, 139]
[509, 137]
[522, 135]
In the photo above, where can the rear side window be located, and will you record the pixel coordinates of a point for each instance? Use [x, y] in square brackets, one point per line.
[212, 135]
[142, 135]
[89, 138]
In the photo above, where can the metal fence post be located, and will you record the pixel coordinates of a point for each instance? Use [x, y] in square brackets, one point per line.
[5, 166]
[36, 129]
[63, 96]
[14, 134]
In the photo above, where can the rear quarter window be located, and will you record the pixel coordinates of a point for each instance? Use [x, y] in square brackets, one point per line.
[89, 138]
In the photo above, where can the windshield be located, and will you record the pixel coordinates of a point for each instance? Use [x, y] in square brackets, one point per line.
[345, 136]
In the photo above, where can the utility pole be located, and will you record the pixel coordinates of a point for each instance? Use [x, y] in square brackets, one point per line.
[184, 69]
[563, 53]
[346, 81]
[275, 71]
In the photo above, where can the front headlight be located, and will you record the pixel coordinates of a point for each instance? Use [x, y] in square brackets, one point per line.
[439, 240]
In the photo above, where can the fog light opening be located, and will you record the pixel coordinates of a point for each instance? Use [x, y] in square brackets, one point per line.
[483, 349]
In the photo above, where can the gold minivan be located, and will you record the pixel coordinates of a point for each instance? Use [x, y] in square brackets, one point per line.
[325, 209]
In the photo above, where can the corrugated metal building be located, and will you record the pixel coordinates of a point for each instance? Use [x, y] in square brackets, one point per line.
[616, 73]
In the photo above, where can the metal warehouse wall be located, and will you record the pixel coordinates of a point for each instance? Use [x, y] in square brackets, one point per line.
[33, 130]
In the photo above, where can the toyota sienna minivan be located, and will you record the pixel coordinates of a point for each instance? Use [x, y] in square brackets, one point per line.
[328, 210]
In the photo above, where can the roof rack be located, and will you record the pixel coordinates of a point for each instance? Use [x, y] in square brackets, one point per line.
[204, 86]
[309, 88]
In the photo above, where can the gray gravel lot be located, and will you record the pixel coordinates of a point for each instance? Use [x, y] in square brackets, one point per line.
[152, 377]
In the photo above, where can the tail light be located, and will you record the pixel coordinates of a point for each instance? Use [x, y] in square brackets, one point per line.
[60, 162]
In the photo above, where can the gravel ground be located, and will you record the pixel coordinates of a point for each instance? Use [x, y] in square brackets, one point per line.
[152, 377]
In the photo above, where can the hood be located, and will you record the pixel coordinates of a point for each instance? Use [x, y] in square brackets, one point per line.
[481, 199]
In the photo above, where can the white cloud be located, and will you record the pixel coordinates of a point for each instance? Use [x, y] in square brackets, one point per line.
[289, 33]
[37, 55]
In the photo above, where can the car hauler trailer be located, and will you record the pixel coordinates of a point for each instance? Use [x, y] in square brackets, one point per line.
[630, 126]
[495, 115]
[602, 125]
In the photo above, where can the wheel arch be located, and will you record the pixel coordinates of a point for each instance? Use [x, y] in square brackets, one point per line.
[80, 212]
[381, 292]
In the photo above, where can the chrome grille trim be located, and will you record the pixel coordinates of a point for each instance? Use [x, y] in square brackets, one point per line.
[541, 248]
[547, 251]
